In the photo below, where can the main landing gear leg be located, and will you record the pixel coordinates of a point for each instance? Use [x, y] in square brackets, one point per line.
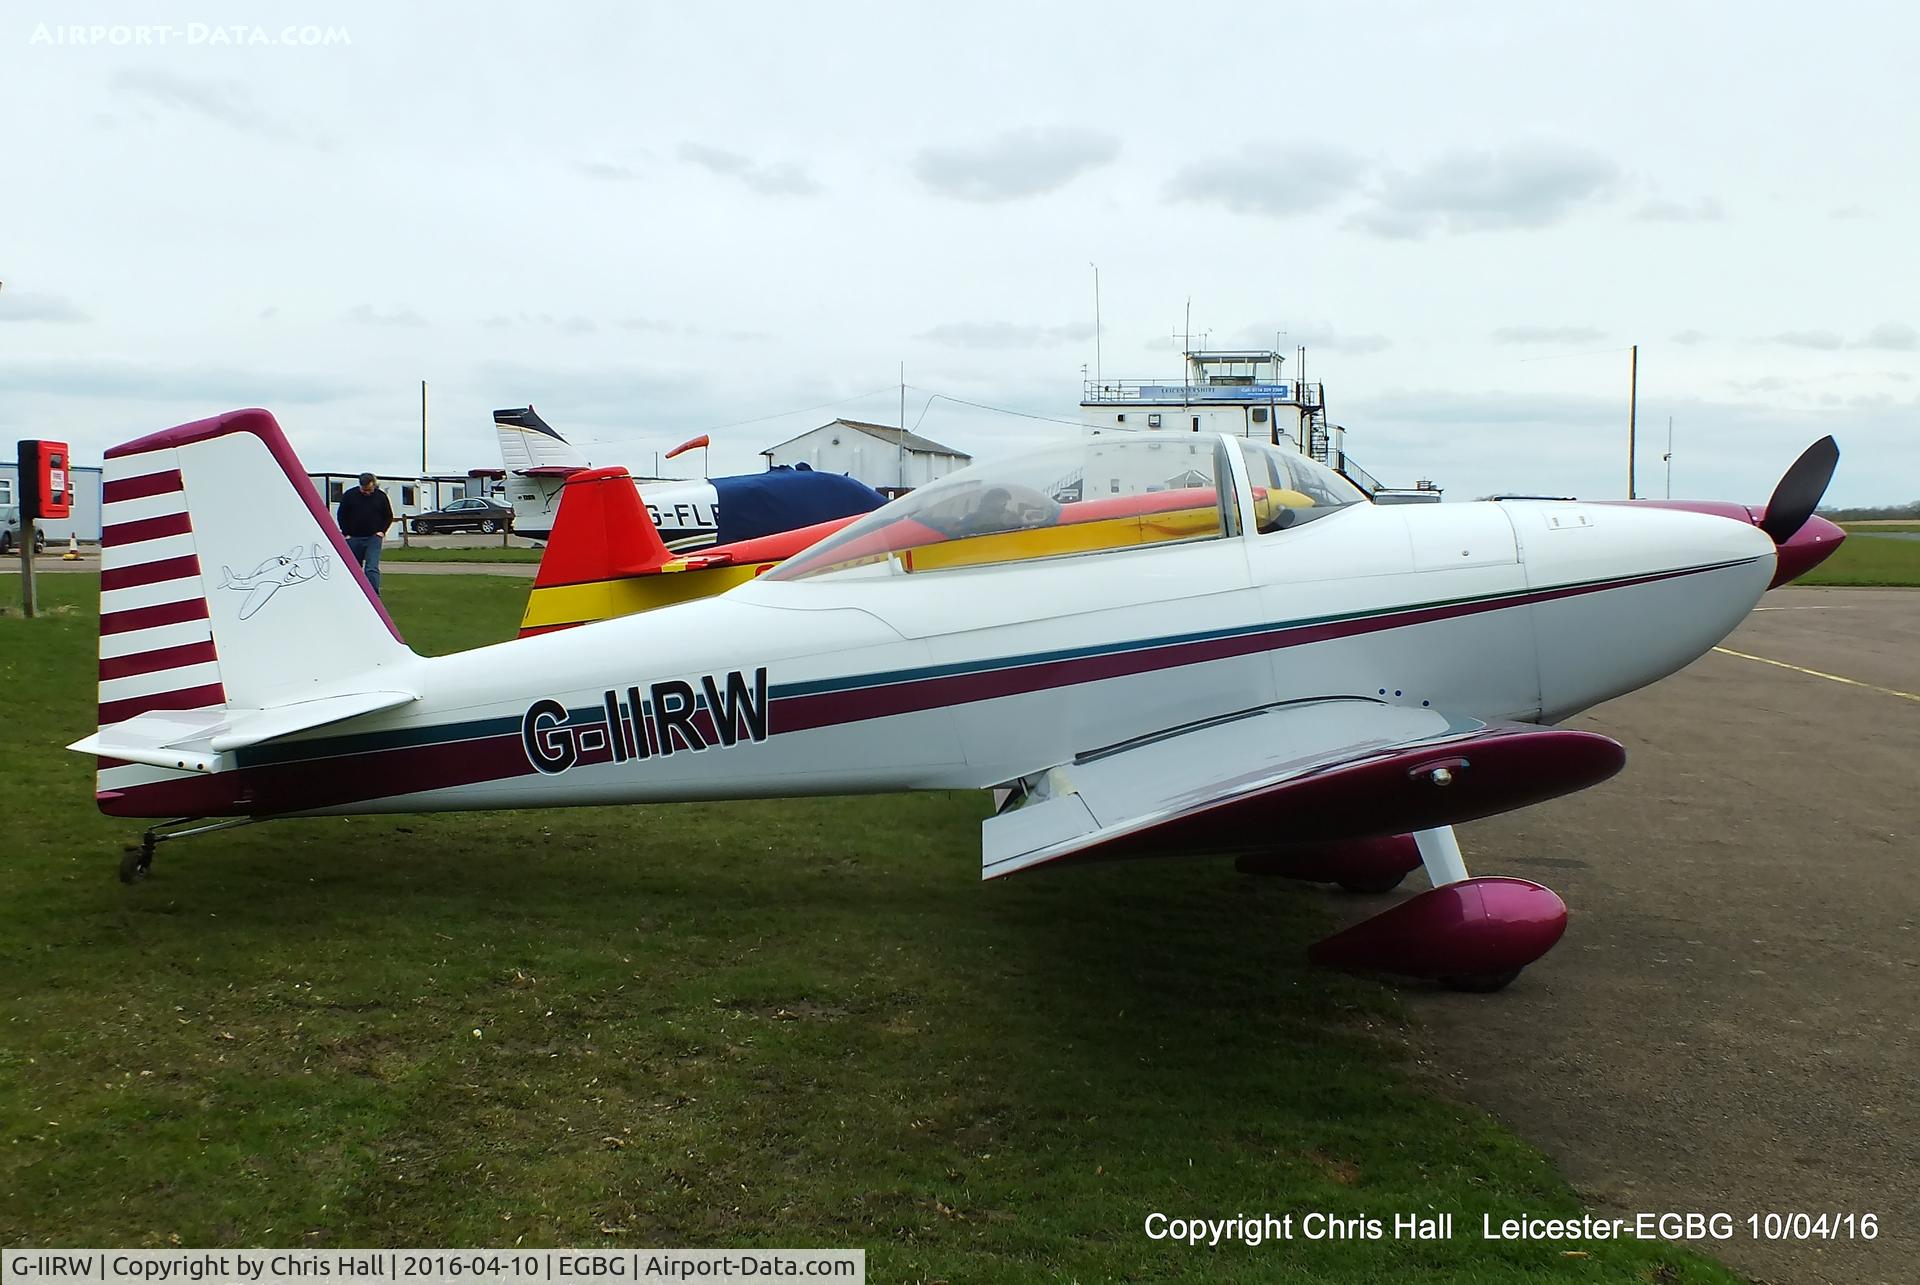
[1469, 934]
[136, 863]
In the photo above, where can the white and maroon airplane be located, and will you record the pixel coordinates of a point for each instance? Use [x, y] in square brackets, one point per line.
[1154, 645]
[692, 514]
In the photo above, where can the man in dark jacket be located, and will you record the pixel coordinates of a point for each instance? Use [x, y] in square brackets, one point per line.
[364, 516]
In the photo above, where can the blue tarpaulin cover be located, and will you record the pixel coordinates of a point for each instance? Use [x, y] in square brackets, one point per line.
[780, 499]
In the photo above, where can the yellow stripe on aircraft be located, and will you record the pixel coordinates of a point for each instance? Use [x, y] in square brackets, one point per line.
[576, 604]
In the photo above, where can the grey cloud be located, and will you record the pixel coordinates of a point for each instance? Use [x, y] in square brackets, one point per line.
[1006, 334]
[1690, 337]
[572, 325]
[211, 386]
[1276, 181]
[1764, 384]
[1706, 210]
[18, 305]
[226, 102]
[781, 179]
[1524, 186]
[1023, 163]
[616, 394]
[1392, 225]
[655, 326]
[1311, 334]
[608, 171]
[1447, 407]
[1894, 336]
[1823, 339]
[1548, 335]
[365, 314]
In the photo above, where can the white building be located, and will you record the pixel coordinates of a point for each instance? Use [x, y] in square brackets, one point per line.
[887, 459]
[408, 494]
[85, 521]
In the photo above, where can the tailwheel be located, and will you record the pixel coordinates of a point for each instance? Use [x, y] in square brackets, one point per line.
[1481, 983]
[136, 863]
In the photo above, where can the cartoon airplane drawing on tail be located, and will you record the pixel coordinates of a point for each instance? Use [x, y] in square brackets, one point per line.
[277, 572]
[1158, 645]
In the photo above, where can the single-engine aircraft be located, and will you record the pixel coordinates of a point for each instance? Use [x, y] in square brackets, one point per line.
[1155, 644]
[690, 514]
[606, 558]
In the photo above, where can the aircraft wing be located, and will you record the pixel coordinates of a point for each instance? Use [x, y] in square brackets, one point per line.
[1303, 772]
[195, 740]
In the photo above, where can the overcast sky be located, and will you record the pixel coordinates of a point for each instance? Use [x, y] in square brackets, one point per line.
[652, 220]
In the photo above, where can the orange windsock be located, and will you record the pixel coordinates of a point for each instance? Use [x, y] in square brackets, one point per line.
[690, 444]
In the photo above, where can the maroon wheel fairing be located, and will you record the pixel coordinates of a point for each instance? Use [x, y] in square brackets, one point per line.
[1475, 928]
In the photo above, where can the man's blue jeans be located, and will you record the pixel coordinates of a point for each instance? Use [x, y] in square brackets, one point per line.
[366, 551]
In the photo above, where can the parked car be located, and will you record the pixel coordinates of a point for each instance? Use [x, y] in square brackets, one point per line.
[485, 516]
[10, 531]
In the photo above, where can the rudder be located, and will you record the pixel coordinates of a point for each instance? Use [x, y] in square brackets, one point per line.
[224, 581]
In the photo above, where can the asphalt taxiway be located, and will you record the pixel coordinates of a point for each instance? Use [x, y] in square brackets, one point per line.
[1733, 1019]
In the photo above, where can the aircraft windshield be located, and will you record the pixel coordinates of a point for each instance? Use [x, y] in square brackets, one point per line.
[1289, 488]
[1105, 494]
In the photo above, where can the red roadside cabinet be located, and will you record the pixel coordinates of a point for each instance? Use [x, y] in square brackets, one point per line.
[46, 481]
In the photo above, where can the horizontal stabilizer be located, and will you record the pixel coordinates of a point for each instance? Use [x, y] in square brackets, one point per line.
[196, 740]
[1303, 773]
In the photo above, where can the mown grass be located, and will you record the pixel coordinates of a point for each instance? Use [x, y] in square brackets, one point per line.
[767, 1023]
[1881, 526]
[1863, 560]
[478, 553]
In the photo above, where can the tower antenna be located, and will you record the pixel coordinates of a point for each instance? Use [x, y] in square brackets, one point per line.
[1096, 322]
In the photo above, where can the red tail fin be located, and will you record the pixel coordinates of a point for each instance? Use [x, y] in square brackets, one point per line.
[602, 532]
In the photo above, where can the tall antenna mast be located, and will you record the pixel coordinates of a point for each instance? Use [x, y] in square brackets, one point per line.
[1633, 415]
[1096, 323]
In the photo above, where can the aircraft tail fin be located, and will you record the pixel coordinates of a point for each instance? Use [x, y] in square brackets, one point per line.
[537, 461]
[529, 442]
[288, 620]
[602, 534]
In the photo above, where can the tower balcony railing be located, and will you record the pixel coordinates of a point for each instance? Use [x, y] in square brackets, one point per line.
[1124, 392]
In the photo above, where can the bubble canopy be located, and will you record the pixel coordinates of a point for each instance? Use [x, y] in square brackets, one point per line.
[1100, 495]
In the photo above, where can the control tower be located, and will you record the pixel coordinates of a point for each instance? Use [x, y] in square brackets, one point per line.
[1244, 392]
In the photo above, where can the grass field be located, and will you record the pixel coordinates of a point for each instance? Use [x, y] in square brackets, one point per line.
[479, 553]
[1864, 560]
[772, 1023]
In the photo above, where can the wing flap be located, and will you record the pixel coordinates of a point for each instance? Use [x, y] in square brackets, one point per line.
[1309, 772]
[200, 740]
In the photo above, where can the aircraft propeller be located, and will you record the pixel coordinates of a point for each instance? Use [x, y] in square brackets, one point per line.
[1799, 491]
